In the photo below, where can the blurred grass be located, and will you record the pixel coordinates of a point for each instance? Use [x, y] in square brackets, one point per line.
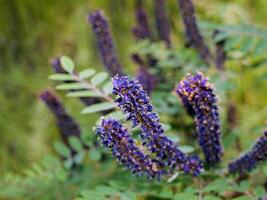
[31, 33]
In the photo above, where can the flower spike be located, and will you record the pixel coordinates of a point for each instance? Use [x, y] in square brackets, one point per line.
[199, 93]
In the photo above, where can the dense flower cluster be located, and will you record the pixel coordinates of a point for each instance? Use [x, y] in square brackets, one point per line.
[56, 65]
[145, 78]
[192, 31]
[124, 148]
[135, 103]
[251, 159]
[66, 124]
[141, 30]
[104, 42]
[163, 25]
[200, 94]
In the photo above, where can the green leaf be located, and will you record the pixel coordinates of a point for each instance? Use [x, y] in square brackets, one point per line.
[218, 185]
[67, 64]
[231, 43]
[86, 73]
[84, 94]
[78, 158]
[211, 198]
[75, 143]
[71, 86]
[98, 107]
[62, 149]
[186, 148]
[247, 44]
[242, 198]
[94, 155]
[108, 87]
[61, 77]
[185, 196]
[128, 196]
[99, 78]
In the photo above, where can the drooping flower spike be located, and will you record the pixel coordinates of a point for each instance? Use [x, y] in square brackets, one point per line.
[142, 29]
[162, 22]
[135, 103]
[192, 32]
[200, 94]
[145, 78]
[105, 43]
[66, 124]
[252, 158]
[56, 65]
[119, 140]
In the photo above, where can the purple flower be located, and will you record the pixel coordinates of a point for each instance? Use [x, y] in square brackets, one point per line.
[145, 78]
[66, 124]
[162, 22]
[220, 55]
[200, 95]
[119, 140]
[134, 102]
[141, 30]
[56, 65]
[192, 31]
[252, 158]
[104, 42]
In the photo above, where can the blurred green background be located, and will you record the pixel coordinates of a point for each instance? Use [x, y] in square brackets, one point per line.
[32, 32]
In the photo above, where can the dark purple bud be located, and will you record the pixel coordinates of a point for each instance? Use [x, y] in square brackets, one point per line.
[220, 55]
[66, 124]
[200, 94]
[141, 30]
[145, 78]
[135, 103]
[56, 65]
[124, 148]
[252, 158]
[104, 42]
[162, 22]
[192, 31]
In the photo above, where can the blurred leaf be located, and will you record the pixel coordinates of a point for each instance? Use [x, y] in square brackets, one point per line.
[108, 88]
[84, 94]
[71, 86]
[67, 64]
[62, 149]
[211, 198]
[186, 148]
[75, 143]
[98, 107]
[99, 78]
[61, 77]
[78, 158]
[94, 154]
[185, 196]
[86, 73]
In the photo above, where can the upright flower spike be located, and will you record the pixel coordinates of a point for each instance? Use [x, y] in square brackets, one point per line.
[66, 124]
[142, 29]
[56, 65]
[200, 95]
[119, 140]
[192, 31]
[220, 55]
[105, 43]
[145, 78]
[162, 22]
[134, 102]
[252, 158]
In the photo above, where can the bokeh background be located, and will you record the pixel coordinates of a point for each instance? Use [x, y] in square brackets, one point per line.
[33, 32]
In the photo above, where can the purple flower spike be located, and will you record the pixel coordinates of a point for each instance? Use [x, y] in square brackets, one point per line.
[104, 42]
[119, 140]
[133, 101]
[192, 31]
[145, 78]
[141, 30]
[162, 22]
[199, 93]
[252, 158]
[66, 124]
